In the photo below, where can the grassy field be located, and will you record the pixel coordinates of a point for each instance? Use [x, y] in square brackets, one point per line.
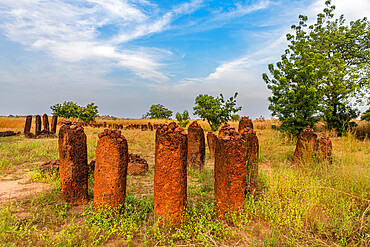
[316, 205]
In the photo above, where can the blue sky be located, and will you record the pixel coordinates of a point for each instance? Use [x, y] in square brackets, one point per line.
[125, 55]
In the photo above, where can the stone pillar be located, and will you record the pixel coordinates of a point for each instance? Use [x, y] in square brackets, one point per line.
[54, 122]
[110, 169]
[305, 148]
[325, 149]
[73, 163]
[230, 172]
[196, 146]
[28, 124]
[45, 122]
[244, 123]
[211, 139]
[38, 125]
[170, 178]
[252, 156]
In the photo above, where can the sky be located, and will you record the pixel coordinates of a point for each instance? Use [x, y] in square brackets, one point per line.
[125, 55]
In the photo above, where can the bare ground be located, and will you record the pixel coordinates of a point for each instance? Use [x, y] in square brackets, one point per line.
[16, 186]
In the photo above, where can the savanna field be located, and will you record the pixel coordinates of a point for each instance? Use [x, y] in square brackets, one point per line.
[317, 204]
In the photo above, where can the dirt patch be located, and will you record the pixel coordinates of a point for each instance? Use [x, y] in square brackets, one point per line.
[14, 187]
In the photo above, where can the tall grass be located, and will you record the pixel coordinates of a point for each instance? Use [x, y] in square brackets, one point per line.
[318, 204]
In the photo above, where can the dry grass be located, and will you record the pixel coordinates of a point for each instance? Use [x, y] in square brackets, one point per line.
[316, 205]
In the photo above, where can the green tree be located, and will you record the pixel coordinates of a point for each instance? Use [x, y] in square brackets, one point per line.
[159, 111]
[88, 113]
[324, 68]
[215, 110]
[70, 109]
[366, 115]
[235, 117]
[183, 118]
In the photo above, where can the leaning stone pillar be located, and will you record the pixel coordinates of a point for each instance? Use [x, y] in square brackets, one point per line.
[38, 125]
[325, 149]
[170, 178]
[305, 148]
[45, 122]
[196, 146]
[229, 172]
[28, 124]
[73, 163]
[110, 169]
[54, 122]
[252, 155]
[211, 139]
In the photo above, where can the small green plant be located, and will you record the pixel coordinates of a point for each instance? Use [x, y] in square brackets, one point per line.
[183, 118]
[366, 115]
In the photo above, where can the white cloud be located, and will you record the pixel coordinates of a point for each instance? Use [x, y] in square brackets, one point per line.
[352, 10]
[244, 8]
[70, 30]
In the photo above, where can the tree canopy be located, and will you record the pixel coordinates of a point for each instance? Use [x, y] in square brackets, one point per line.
[183, 118]
[215, 110]
[159, 111]
[325, 67]
[70, 109]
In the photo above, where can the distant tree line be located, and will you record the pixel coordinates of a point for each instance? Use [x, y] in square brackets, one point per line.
[215, 110]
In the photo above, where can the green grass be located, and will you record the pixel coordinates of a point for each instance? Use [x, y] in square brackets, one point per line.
[318, 204]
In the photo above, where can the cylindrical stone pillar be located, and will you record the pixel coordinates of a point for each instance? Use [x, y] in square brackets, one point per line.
[170, 178]
[244, 123]
[325, 149]
[230, 172]
[252, 155]
[38, 125]
[54, 122]
[212, 140]
[73, 163]
[110, 169]
[196, 146]
[45, 122]
[28, 124]
[305, 148]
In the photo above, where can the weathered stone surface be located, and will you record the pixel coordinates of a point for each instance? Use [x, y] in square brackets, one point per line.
[212, 140]
[54, 122]
[252, 154]
[196, 146]
[244, 123]
[28, 124]
[230, 172]
[305, 148]
[45, 123]
[324, 149]
[170, 178]
[73, 163]
[38, 125]
[30, 135]
[7, 133]
[137, 165]
[50, 166]
[110, 169]
[150, 126]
